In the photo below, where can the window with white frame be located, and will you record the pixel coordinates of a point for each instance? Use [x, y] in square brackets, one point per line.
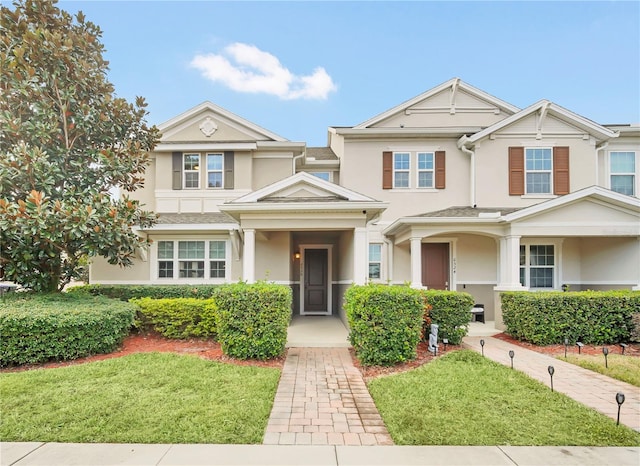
[401, 169]
[537, 265]
[322, 175]
[623, 172]
[425, 169]
[375, 261]
[191, 168]
[538, 170]
[187, 259]
[215, 170]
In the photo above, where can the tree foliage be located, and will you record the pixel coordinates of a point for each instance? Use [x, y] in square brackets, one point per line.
[66, 140]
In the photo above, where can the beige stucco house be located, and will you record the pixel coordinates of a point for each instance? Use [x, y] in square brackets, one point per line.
[453, 189]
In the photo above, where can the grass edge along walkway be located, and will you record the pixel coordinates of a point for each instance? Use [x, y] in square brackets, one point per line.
[464, 399]
[139, 398]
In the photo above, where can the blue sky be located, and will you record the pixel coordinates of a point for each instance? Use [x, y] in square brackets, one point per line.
[296, 68]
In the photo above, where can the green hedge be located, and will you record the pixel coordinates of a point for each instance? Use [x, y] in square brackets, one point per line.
[252, 320]
[178, 317]
[545, 318]
[40, 328]
[127, 292]
[385, 322]
[451, 310]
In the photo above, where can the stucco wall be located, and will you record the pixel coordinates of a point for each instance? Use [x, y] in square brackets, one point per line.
[273, 260]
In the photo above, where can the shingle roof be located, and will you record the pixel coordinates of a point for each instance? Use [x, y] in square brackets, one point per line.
[321, 153]
[190, 219]
[467, 212]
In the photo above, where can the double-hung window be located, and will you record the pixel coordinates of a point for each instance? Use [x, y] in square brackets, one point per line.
[623, 172]
[538, 170]
[375, 261]
[191, 168]
[425, 169]
[537, 265]
[215, 170]
[188, 259]
[401, 169]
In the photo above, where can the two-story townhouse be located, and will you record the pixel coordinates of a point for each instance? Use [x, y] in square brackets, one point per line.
[453, 189]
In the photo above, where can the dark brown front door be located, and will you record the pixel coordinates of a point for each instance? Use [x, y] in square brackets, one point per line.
[315, 281]
[435, 265]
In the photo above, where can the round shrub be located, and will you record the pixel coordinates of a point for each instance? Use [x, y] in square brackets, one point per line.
[40, 328]
[178, 317]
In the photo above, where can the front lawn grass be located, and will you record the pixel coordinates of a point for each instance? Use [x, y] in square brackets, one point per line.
[140, 398]
[624, 368]
[465, 399]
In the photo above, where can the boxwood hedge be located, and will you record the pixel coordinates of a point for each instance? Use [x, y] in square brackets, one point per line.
[451, 310]
[178, 317]
[127, 292]
[40, 328]
[593, 317]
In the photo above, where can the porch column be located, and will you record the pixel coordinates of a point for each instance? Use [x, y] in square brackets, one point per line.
[509, 272]
[249, 256]
[360, 264]
[416, 262]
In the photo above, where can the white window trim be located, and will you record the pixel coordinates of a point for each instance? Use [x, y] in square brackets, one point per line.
[407, 171]
[154, 262]
[432, 171]
[381, 262]
[557, 259]
[636, 174]
[221, 171]
[550, 171]
[185, 171]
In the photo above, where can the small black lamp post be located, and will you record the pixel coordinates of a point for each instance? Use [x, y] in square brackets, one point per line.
[619, 400]
[482, 346]
[511, 355]
[445, 342]
[624, 347]
[551, 371]
[605, 351]
[580, 345]
[566, 343]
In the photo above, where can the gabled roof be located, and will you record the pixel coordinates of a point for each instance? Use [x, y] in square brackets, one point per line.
[544, 108]
[455, 84]
[207, 106]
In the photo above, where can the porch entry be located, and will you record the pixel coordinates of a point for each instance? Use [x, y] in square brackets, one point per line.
[435, 266]
[315, 295]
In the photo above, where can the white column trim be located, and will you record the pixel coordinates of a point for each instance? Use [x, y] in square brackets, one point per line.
[416, 262]
[249, 256]
[360, 262]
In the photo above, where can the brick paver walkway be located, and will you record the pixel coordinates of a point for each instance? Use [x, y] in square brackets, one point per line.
[589, 388]
[322, 400]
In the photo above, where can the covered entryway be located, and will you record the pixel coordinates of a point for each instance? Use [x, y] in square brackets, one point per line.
[435, 266]
[315, 278]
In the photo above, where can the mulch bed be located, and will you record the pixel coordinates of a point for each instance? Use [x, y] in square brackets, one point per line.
[633, 349]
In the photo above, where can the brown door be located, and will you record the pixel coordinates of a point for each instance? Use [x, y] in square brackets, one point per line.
[435, 265]
[315, 281]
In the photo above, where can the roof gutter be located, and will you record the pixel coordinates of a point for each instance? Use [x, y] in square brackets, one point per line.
[472, 155]
[602, 146]
[293, 172]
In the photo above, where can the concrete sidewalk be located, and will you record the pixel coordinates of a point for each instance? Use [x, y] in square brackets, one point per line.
[59, 454]
[594, 390]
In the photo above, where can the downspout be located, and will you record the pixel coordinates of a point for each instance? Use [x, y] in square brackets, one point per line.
[389, 244]
[472, 182]
[294, 161]
[603, 146]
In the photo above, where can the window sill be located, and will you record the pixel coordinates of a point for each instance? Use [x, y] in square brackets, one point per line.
[538, 196]
[414, 190]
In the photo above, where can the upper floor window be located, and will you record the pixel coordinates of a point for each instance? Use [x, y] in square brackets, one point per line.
[623, 172]
[191, 167]
[425, 169]
[375, 261]
[215, 170]
[538, 169]
[401, 169]
[537, 265]
[322, 175]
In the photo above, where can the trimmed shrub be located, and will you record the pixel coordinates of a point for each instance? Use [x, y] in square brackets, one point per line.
[178, 317]
[635, 327]
[385, 322]
[252, 320]
[592, 317]
[40, 328]
[451, 310]
[127, 292]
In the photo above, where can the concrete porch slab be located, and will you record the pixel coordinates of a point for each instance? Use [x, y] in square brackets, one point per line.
[317, 332]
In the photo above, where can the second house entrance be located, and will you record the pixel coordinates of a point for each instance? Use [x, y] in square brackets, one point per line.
[315, 296]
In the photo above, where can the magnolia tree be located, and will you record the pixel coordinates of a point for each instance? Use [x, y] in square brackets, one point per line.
[66, 142]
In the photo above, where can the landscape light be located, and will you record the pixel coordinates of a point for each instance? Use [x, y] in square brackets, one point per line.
[580, 345]
[482, 346]
[551, 371]
[605, 351]
[619, 400]
[511, 355]
[445, 342]
[566, 343]
[624, 347]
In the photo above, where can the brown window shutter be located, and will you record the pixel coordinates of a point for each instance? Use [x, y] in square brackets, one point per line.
[176, 170]
[516, 171]
[387, 170]
[228, 169]
[440, 173]
[560, 170]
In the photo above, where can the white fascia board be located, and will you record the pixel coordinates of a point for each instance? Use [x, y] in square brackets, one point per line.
[408, 132]
[345, 206]
[281, 145]
[192, 227]
[419, 221]
[205, 146]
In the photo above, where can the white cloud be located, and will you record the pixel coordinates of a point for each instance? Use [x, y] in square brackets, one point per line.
[246, 68]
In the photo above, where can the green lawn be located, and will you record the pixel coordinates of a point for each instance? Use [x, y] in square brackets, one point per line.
[141, 398]
[625, 368]
[465, 399]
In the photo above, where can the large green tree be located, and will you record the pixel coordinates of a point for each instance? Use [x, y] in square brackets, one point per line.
[66, 142]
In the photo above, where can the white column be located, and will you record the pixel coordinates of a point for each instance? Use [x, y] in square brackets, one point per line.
[416, 262]
[509, 272]
[636, 287]
[360, 264]
[249, 256]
